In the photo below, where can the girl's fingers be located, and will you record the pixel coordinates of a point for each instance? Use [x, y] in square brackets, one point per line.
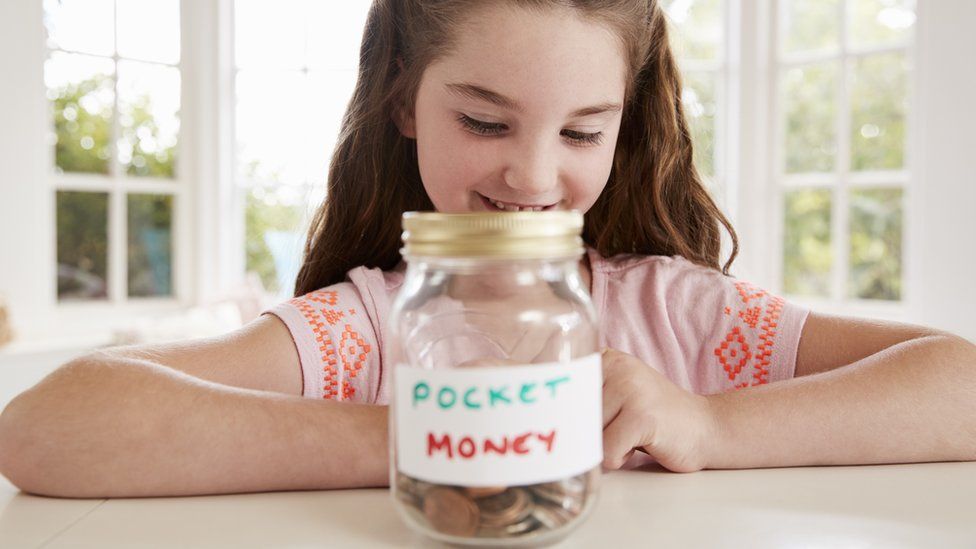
[613, 401]
[618, 440]
[613, 397]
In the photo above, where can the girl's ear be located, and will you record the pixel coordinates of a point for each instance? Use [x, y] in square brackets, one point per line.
[405, 122]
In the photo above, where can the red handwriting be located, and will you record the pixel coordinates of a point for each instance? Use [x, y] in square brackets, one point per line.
[467, 447]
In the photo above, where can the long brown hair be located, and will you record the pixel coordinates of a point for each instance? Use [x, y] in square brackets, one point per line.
[654, 202]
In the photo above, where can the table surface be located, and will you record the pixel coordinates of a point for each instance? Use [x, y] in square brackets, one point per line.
[920, 505]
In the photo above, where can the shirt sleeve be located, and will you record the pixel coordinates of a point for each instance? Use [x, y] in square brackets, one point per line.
[735, 334]
[336, 342]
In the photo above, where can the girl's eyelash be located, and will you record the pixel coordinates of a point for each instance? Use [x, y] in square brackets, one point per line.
[583, 138]
[495, 128]
[479, 127]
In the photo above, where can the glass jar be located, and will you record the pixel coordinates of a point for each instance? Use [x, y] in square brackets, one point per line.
[495, 413]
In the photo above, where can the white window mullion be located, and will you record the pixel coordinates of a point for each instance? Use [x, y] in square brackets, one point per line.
[840, 228]
[776, 144]
[117, 248]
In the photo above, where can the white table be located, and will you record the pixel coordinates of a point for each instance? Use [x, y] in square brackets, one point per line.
[923, 505]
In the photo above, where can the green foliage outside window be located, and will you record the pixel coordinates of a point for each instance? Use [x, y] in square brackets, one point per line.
[83, 138]
[83, 145]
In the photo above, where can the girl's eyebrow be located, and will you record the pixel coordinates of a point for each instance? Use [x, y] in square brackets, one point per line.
[470, 91]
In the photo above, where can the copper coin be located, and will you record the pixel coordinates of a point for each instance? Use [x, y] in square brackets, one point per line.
[451, 512]
[505, 509]
[484, 491]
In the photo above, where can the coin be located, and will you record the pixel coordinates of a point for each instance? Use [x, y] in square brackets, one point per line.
[451, 512]
[484, 491]
[407, 490]
[523, 527]
[506, 508]
[568, 494]
[551, 516]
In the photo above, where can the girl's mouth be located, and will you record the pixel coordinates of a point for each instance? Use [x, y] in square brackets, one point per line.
[499, 206]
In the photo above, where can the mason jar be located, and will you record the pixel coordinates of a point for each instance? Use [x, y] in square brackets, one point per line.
[496, 418]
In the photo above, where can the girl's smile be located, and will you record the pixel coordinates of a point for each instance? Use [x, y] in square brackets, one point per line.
[491, 204]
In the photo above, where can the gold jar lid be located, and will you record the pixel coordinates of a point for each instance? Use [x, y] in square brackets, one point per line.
[503, 235]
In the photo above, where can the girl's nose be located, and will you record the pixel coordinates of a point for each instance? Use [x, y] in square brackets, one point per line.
[532, 169]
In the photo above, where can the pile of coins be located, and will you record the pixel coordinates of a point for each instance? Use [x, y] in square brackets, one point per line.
[494, 512]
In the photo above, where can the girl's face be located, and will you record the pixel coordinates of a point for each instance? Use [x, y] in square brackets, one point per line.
[523, 114]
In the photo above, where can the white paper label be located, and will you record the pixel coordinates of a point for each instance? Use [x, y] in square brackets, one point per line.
[499, 425]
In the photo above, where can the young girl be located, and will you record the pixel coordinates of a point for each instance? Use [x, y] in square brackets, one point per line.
[474, 105]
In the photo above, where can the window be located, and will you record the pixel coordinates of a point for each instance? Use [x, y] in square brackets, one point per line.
[295, 70]
[698, 39]
[113, 84]
[841, 167]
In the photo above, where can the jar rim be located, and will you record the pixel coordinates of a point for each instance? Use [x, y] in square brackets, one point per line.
[493, 234]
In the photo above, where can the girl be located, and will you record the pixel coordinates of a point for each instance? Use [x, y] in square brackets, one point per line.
[473, 105]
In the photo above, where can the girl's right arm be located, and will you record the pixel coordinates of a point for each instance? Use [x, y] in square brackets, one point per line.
[219, 415]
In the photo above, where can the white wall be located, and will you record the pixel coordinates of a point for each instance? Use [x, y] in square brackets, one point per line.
[944, 240]
[25, 274]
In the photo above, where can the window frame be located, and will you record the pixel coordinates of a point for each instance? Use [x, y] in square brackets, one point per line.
[214, 263]
[842, 181]
[119, 186]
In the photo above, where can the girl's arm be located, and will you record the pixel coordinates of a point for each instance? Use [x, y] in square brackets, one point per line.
[203, 417]
[865, 392]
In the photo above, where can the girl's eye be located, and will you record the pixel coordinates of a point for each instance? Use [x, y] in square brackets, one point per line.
[479, 127]
[583, 138]
[496, 128]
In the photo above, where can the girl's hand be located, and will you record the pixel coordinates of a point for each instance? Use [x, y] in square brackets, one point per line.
[643, 410]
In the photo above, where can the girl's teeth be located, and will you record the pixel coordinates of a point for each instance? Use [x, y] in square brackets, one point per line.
[510, 208]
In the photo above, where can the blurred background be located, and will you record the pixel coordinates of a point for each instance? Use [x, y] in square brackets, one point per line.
[160, 159]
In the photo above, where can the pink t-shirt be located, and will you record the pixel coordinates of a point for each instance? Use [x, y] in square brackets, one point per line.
[705, 331]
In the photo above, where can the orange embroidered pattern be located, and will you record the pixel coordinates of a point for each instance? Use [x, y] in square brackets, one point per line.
[733, 352]
[352, 362]
[337, 384]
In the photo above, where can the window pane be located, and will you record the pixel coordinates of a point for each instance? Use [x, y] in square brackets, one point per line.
[335, 31]
[876, 257]
[272, 109]
[150, 229]
[149, 31]
[270, 34]
[85, 26]
[810, 105]
[879, 101]
[331, 91]
[81, 91]
[82, 228]
[149, 100]
[880, 22]
[809, 25]
[698, 98]
[806, 244]
[698, 32]
[275, 234]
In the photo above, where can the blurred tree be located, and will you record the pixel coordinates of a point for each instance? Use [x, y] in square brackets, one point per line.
[878, 99]
[264, 213]
[807, 257]
[154, 163]
[83, 144]
[82, 246]
[82, 137]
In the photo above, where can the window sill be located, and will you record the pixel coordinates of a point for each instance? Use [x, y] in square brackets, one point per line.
[50, 349]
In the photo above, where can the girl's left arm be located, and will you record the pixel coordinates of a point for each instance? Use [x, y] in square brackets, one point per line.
[865, 392]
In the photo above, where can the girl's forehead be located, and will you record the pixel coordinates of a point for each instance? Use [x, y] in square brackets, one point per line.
[535, 55]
